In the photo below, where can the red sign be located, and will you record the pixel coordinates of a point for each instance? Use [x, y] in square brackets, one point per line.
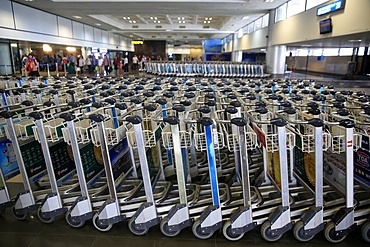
[349, 143]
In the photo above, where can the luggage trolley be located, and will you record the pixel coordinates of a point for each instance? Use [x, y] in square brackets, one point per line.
[279, 221]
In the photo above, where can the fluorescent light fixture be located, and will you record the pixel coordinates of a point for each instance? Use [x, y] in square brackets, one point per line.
[159, 21]
[245, 17]
[77, 16]
[13, 45]
[354, 40]
[210, 18]
[46, 47]
[98, 24]
[29, 0]
[70, 49]
[269, 1]
[306, 45]
[128, 18]
[168, 30]
[263, 49]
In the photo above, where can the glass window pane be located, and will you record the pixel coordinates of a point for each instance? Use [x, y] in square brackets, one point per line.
[314, 3]
[316, 52]
[250, 27]
[345, 51]
[295, 7]
[258, 24]
[330, 52]
[301, 52]
[265, 20]
[280, 13]
[361, 51]
[240, 33]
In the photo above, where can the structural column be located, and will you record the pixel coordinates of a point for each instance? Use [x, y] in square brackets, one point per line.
[276, 54]
[236, 56]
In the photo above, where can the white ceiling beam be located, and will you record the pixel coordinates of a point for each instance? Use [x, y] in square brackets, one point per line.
[142, 19]
[169, 19]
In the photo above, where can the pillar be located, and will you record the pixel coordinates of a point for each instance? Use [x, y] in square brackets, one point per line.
[275, 54]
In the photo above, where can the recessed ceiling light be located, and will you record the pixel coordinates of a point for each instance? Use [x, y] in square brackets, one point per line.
[179, 21]
[130, 21]
[124, 18]
[128, 18]
[98, 24]
[183, 21]
[183, 18]
[206, 18]
[205, 21]
[134, 21]
[178, 18]
[210, 18]
[159, 21]
[155, 18]
[355, 40]
[77, 16]
[208, 22]
[155, 21]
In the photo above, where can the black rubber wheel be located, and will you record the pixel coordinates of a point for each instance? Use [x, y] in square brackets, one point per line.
[331, 235]
[267, 234]
[19, 216]
[73, 223]
[197, 231]
[299, 234]
[229, 235]
[365, 230]
[165, 229]
[44, 219]
[2, 211]
[99, 226]
[134, 227]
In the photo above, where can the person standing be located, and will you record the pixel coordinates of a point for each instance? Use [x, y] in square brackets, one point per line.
[32, 66]
[89, 63]
[81, 64]
[72, 60]
[135, 61]
[100, 66]
[125, 65]
[107, 65]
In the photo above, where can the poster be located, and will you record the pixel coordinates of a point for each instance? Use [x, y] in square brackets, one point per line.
[8, 161]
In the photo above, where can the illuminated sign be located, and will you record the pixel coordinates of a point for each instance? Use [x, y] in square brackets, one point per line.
[103, 50]
[331, 7]
[94, 49]
[137, 42]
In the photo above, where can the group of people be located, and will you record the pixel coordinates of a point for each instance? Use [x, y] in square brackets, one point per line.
[101, 65]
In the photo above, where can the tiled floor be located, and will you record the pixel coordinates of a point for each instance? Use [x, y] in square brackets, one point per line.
[33, 233]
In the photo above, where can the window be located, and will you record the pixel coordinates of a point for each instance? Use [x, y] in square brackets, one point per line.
[240, 33]
[316, 52]
[280, 13]
[330, 52]
[251, 27]
[295, 7]
[314, 3]
[301, 52]
[265, 20]
[345, 51]
[258, 24]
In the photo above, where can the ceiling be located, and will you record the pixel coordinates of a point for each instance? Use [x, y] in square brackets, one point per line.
[187, 21]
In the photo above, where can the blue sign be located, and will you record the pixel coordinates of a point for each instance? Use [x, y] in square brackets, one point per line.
[331, 7]
[213, 46]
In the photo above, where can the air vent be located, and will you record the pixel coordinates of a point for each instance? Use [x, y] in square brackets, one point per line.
[158, 26]
[154, 37]
[182, 26]
[201, 37]
[168, 37]
[136, 26]
[185, 37]
[205, 27]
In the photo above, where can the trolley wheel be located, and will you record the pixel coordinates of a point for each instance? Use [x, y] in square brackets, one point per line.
[197, 231]
[229, 235]
[19, 216]
[73, 223]
[365, 231]
[134, 227]
[331, 235]
[299, 233]
[44, 219]
[2, 211]
[99, 226]
[166, 230]
[267, 234]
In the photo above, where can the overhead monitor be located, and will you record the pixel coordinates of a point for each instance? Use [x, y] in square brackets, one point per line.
[326, 26]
